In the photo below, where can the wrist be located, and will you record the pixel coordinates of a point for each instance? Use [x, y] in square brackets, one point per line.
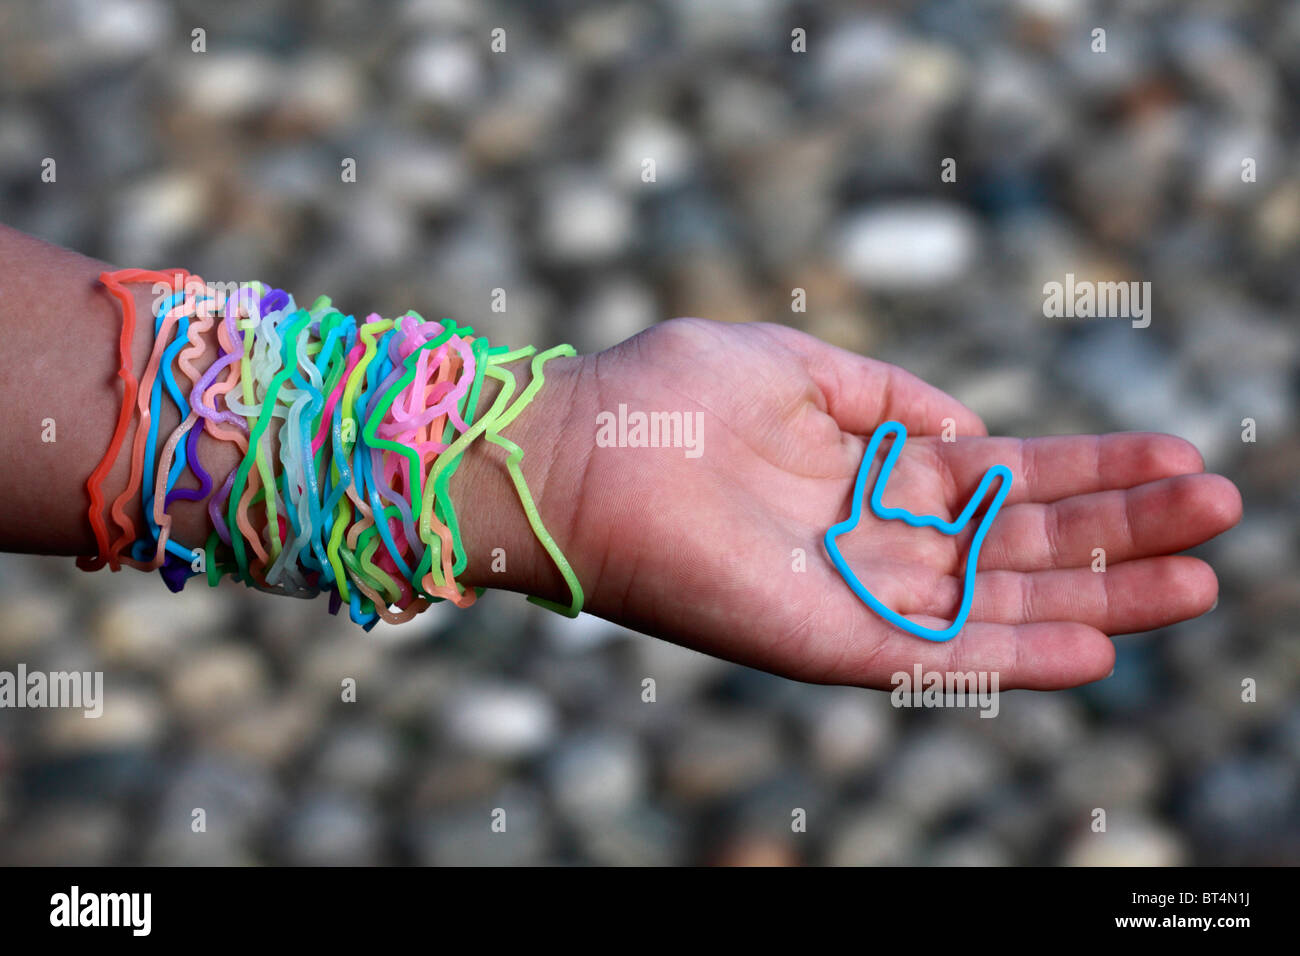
[502, 550]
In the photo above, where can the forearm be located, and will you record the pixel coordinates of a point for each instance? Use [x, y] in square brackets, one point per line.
[61, 394]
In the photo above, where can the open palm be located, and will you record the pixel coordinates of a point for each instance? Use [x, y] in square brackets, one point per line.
[724, 552]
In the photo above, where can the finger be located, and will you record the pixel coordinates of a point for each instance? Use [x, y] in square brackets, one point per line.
[1056, 467]
[1130, 597]
[1036, 656]
[861, 392]
[1160, 517]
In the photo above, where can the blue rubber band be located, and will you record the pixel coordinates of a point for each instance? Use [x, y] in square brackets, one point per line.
[997, 472]
[180, 398]
[144, 547]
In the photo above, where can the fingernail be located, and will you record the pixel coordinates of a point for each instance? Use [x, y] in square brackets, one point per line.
[1111, 674]
[1214, 605]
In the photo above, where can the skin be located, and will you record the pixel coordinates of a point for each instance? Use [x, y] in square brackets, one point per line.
[699, 551]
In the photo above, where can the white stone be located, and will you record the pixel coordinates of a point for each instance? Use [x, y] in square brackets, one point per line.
[500, 720]
[908, 245]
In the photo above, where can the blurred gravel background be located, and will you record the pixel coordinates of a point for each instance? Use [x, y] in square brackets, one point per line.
[776, 170]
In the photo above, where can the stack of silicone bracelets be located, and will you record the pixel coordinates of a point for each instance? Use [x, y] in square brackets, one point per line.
[350, 433]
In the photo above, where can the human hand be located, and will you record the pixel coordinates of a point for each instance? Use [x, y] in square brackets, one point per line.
[702, 550]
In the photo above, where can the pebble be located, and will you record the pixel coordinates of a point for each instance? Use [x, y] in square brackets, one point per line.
[720, 753]
[498, 720]
[147, 628]
[427, 174]
[1251, 796]
[939, 772]
[271, 732]
[331, 661]
[1115, 770]
[1035, 727]
[848, 730]
[908, 245]
[653, 138]
[70, 835]
[444, 71]
[157, 211]
[1129, 840]
[362, 758]
[238, 804]
[331, 830]
[970, 850]
[320, 91]
[465, 836]
[597, 775]
[637, 836]
[212, 682]
[30, 623]
[873, 836]
[229, 84]
[131, 718]
[582, 219]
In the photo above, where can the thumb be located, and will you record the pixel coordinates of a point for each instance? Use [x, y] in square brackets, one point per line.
[862, 392]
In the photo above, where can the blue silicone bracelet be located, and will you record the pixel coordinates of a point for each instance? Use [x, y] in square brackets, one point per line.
[999, 473]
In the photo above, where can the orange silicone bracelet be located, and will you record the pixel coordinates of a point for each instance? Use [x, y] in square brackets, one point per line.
[115, 284]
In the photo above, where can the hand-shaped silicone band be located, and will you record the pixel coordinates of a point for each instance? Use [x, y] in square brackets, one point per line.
[999, 473]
